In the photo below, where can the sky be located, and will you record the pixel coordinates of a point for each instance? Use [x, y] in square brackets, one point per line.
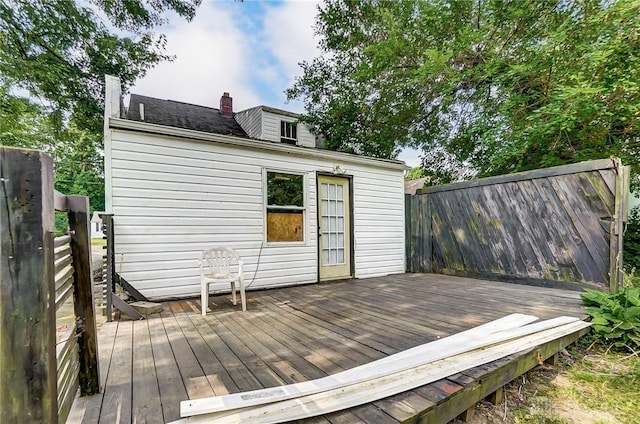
[251, 49]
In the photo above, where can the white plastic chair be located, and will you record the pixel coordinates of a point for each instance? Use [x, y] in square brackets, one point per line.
[216, 266]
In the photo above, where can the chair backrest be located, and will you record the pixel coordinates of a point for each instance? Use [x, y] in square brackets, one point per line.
[219, 260]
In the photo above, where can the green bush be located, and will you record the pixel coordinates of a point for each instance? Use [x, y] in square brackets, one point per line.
[631, 278]
[615, 316]
[632, 241]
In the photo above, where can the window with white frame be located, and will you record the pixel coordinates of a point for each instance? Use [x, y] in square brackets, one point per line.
[285, 207]
[288, 132]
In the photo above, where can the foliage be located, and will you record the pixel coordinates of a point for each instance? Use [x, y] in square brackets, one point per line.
[53, 58]
[415, 173]
[632, 241]
[615, 316]
[631, 278]
[285, 189]
[60, 50]
[76, 154]
[492, 86]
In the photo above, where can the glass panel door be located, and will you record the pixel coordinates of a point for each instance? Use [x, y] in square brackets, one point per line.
[334, 235]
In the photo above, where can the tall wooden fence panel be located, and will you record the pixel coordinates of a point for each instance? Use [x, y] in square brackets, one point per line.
[40, 376]
[418, 233]
[557, 226]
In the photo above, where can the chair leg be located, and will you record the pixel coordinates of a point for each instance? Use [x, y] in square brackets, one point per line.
[204, 298]
[233, 291]
[243, 296]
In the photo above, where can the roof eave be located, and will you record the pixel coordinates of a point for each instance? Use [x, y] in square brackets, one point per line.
[145, 127]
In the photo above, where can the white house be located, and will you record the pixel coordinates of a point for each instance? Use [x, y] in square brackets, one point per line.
[96, 226]
[181, 178]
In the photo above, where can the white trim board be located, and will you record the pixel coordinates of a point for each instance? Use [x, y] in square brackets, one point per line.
[497, 331]
[372, 390]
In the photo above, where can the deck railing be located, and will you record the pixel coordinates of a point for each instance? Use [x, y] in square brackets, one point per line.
[41, 370]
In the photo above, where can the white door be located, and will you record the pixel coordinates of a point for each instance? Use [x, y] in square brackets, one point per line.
[335, 227]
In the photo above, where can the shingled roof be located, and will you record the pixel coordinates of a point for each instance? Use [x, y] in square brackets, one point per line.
[182, 115]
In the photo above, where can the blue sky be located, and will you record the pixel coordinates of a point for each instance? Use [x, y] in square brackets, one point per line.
[250, 49]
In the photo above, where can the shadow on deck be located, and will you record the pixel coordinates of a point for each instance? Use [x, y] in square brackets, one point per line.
[295, 334]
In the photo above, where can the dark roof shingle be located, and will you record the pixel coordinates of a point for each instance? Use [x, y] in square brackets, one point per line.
[182, 115]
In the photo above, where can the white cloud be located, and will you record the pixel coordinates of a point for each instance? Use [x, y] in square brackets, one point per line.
[410, 156]
[212, 56]
[251, 50]
[289, 33]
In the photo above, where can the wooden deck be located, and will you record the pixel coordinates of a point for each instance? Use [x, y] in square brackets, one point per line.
[299, 333]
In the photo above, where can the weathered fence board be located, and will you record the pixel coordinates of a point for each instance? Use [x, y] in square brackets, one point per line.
[83, 293]
[27, 354]
[557, 226]
[39, 274]
[418, 228]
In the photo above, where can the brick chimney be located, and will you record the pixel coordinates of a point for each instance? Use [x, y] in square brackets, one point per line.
[226, 105]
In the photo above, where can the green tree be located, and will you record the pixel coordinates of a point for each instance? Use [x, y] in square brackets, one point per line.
[415, 173]
[485, 85]
[53, 58]
[77, 164]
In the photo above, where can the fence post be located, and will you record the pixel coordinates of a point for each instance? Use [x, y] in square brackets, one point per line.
[408, 230]
[107, 222]
[28, 370]
[425, 231]
[89, 375]
[617, 224]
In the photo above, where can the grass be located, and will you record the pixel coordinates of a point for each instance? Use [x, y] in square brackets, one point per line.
[606, 381]
[591, 385]
[98, 242]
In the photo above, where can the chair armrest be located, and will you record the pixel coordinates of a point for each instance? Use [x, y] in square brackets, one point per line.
[240, 267]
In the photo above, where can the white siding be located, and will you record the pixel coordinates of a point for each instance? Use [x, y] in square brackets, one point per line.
[174, 197]
[271, 129]
[251, 121]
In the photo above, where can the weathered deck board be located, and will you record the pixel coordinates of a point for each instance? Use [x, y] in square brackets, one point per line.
[299, 333]
[145, 400]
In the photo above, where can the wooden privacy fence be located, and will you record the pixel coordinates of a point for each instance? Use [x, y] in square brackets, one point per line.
[558, 226]
[40, 377]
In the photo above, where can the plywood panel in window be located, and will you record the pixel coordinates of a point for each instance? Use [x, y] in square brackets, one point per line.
[284, 226]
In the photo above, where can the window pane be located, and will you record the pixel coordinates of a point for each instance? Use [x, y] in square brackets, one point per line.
[325, 190]
[332, 207]
[334, 257]
[332, 226]
[284, 225]
[332, 191]
[340, 225]
[325, 256]
[325, 240]
[284, 189]
[340, 256]
[340, 192]
[334, 241]
[341, 240]
[325, 223]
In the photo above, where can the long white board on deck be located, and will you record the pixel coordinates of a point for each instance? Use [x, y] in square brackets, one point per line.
[483, 335]
[257, 397]
[378, 388]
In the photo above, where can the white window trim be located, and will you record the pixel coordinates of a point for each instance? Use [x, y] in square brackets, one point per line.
[304, 209]
[286, 123]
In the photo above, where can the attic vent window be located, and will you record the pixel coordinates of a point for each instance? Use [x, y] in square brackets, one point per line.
[288, 132]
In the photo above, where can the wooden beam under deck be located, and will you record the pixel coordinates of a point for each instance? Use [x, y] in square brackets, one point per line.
[299, 333]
